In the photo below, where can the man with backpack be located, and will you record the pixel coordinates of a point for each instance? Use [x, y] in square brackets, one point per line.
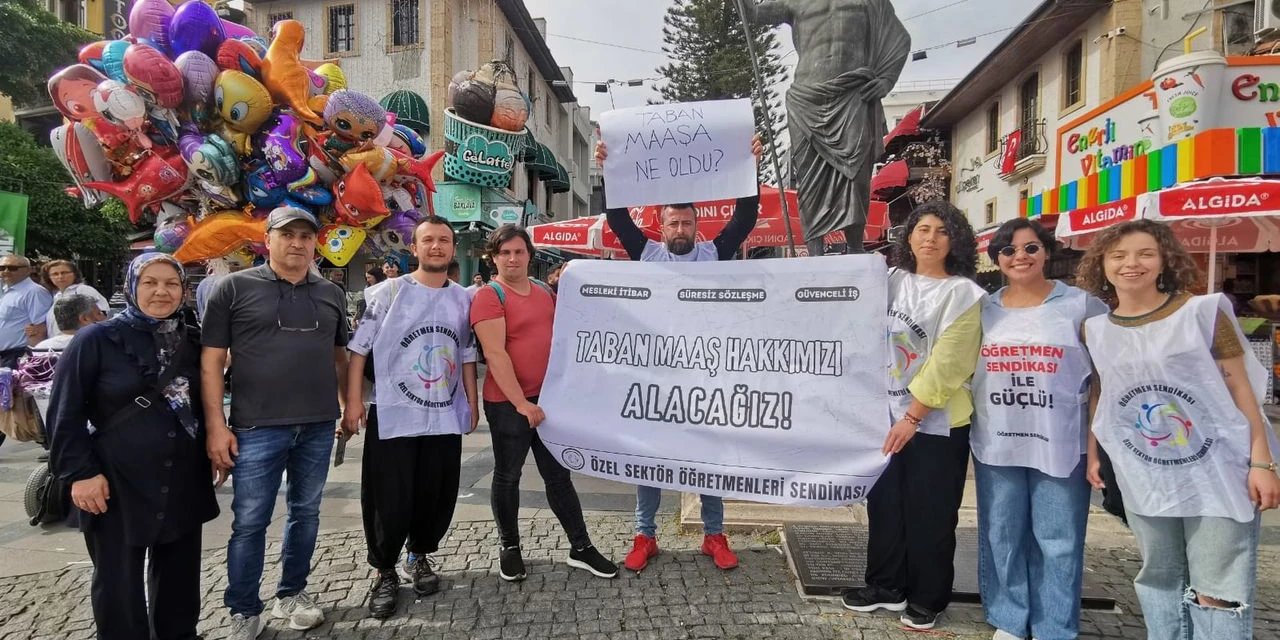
[416, 330]
[512, 317]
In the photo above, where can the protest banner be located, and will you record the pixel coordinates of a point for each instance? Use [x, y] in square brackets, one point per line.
[761, 380]
[679, 152]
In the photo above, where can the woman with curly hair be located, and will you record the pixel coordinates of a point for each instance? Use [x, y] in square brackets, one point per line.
[935, 328]
[1178, 412]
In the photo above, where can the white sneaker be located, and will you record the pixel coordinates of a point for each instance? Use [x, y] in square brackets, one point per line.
[1005, 635]
[245, 628]
[300, 609]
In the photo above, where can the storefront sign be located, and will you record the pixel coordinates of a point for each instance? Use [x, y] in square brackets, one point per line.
[458, 202]
[510, 214]
[116, 19]
[1125, 131]
[1219, 199]
[1092, 219]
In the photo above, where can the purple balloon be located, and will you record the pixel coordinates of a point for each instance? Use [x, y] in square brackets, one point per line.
[281, 145]
[195, 27]
[234, 30]
[400, 222]
[150, 19]
[199, 72]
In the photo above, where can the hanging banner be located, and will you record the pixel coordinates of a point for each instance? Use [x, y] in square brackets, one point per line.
[13, 223]
[761, 380]
[679, 152]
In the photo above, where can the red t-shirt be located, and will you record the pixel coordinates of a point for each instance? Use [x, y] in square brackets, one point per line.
[529, 318]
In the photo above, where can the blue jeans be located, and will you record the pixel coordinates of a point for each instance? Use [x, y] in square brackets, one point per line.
[649, 498]
[1031, 530]
[266, 453]
[1183, 557]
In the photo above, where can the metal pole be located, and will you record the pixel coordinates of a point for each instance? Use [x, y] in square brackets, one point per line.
[764, 106]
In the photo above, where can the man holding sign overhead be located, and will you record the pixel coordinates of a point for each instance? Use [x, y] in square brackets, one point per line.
[679, 244]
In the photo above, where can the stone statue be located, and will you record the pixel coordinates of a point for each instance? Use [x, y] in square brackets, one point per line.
[851, 52]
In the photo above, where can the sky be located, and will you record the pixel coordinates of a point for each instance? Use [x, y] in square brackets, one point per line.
[622, 40]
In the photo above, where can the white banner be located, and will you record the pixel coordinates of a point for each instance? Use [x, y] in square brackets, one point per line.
[681, 152]
[761, 380]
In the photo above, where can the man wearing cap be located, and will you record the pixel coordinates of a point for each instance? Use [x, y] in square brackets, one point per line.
[288, 329]
[24, 307]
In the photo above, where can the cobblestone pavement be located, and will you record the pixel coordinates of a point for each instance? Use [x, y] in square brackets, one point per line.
[681, 595]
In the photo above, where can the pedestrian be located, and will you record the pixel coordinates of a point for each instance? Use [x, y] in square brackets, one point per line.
[73, 312]
[1031, 401]
[1178, 413]
[217, 270]
[371, 277]
[391, 267]
[287, 327]
[512, 318]
[454, 274]
[24, 306]
[140, 478]
[935, 329]
[680, 244]
[62, 278]
[477, 281]
[417, 331]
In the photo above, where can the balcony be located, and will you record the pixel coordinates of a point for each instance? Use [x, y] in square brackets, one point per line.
[1024, 152]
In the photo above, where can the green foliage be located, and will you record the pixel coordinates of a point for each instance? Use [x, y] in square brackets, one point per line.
[58, 226]
[708, 46]
[33, 44]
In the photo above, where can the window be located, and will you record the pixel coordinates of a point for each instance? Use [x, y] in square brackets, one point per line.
[341, 29]
[989, 212]
[1073, 75]
[405, 23]
[1024, 194]
[1029, 107]
[993, 128]
[273, 18]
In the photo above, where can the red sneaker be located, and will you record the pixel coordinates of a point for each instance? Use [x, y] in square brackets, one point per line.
[717, 547]
[642, 549]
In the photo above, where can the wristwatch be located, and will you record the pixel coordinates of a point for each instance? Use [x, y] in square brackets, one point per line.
[1269, 466]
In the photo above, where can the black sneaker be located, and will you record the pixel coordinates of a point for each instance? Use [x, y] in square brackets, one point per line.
[511, 564]
[424, 578]
[868, 599]
[383, 594]
[590, 559]
[919, 618]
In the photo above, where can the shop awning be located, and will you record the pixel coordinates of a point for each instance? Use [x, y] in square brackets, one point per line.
[909, 126]
[540, 159]
[410, 109]
[891, 176]
[560, 183]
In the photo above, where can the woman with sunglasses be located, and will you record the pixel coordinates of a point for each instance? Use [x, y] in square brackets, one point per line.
[935, 329]
[1030, 393]
[1178, 412]
[139, 476]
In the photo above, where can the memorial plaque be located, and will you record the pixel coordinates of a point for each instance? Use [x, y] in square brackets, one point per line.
[830, 559]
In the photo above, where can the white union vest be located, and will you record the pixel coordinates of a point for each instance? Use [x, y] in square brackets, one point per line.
[655, 251]
[1179, 445]
[1030, 390]
[920, 309]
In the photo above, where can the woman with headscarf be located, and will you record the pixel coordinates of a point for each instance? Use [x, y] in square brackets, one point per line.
[139, 476]
[62, 278]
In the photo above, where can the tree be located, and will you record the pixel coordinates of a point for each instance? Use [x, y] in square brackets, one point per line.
[58, 226]
[33, 44]
[707, 44]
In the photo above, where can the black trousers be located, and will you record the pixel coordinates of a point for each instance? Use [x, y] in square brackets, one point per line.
[408, 490]
[912, 515]
[512, 440]
[172, 580]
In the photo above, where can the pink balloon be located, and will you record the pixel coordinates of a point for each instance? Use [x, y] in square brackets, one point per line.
[234, 30]
[150, 19]
[151, 73]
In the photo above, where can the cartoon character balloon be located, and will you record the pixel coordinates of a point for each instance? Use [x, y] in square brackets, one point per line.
[244, 105]
[195, 27]
[353, 118]
[358, 199]
[121, 105]
[238, 55]
[408, 142]
[283, 73]
[160, 176]
[283, 146]
[213, 164]
[72, 91]
[220, 233]
[334, 78]
[153, 76]
[82, 157]
[113, 60]
[339, 243]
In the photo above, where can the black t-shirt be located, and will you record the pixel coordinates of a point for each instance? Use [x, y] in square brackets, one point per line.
[282, 376]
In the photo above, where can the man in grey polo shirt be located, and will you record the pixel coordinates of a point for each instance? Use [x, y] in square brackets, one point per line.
[287, 327]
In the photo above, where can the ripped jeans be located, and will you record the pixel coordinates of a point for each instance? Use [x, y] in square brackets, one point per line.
[1183, 557]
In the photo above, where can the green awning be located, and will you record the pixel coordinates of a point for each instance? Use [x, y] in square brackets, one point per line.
[540, 160]
[560, 183]
[410, 109]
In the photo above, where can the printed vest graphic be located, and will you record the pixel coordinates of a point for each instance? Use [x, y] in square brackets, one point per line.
[1030, 389]
[920, 309]
[1179, 444]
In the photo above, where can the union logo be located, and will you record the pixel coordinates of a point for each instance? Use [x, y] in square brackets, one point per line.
[436, 367]
[904, 354]
[1163, 423]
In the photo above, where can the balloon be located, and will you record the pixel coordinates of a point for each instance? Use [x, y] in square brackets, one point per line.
[91, 54]
[234, 30]
[283, 73]
[150, 19]
[120, 105]
[195, 27]
[198, 75]
[334, 78]
[281, 142]
[354, 117]
[213, 163]
[339, 243]
[358, 198]
[157, 79]
[82, 157]
[237, 55]
[160, 176]
[384, 164]
[113, 60]
[220, 233]
[71, 90]
[263, 192]
[241, 101]
[170, 236]
[408, 142]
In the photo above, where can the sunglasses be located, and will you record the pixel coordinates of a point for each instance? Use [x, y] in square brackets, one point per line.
[296, 314]
[10, 267]
[1030, 248]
